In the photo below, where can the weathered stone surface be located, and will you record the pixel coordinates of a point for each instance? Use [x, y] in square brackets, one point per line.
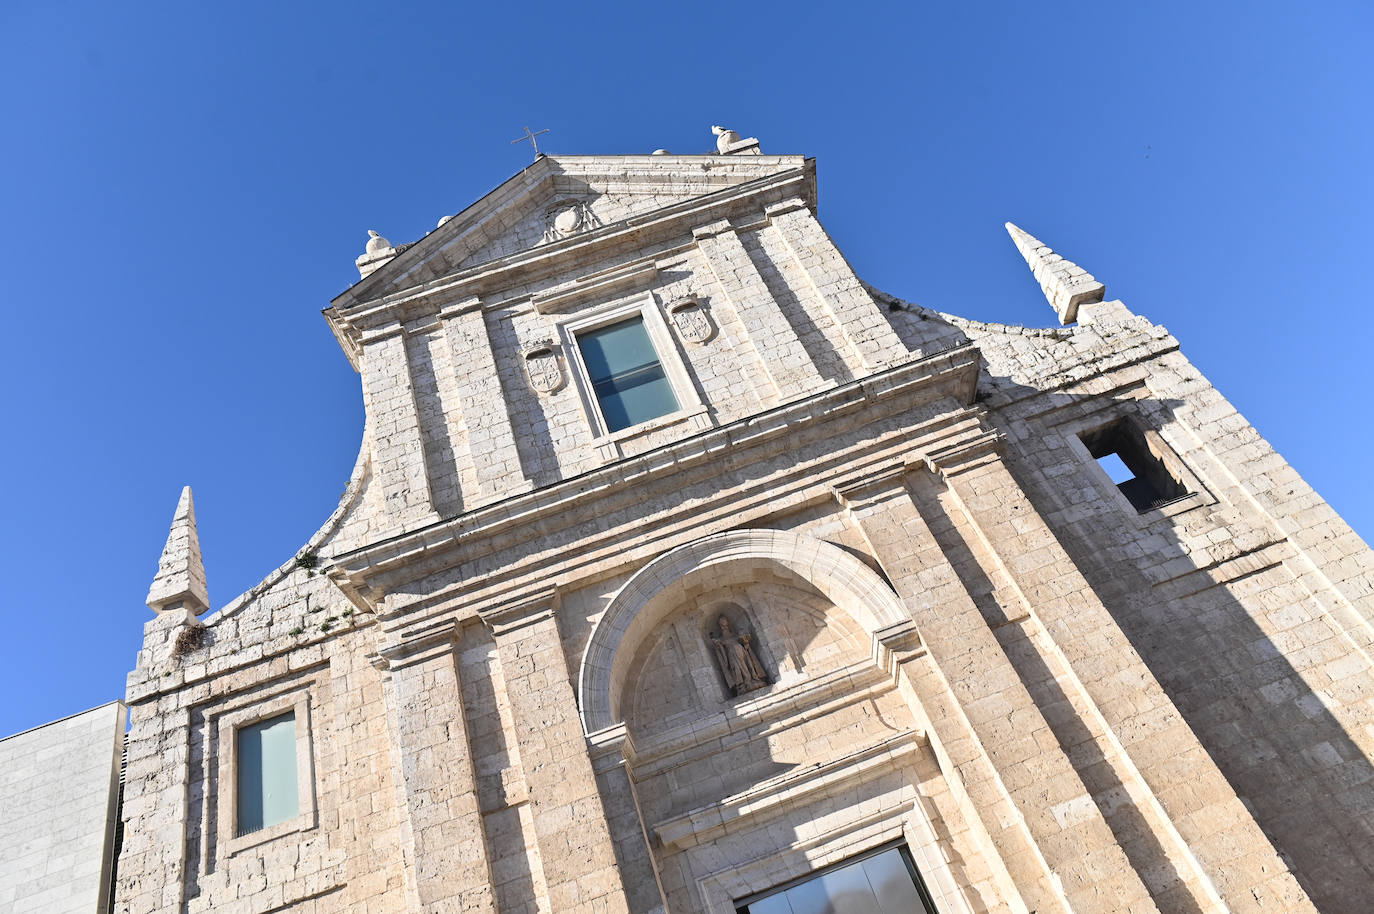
[973, 643]
[180, 579]
[1066, 285]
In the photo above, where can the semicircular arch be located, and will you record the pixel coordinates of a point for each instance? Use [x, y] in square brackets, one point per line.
[653, 592]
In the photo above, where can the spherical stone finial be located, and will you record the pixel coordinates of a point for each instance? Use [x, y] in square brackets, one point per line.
[376, 242]
[662, 152]
[442, 221]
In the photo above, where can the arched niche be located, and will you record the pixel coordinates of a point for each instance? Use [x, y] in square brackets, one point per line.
[653, 593]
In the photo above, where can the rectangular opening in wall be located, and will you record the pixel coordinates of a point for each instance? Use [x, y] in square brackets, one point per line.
[1126, 457]
[626, 374]
[266, 779]
[886, 880]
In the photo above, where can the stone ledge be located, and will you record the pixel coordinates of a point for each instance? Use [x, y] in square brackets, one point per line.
[779, 794]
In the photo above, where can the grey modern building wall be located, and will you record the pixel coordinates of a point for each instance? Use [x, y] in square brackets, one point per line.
[59, 789]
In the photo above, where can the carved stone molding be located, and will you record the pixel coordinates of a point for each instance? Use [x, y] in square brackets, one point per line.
[522, 611]
[896, 644]
[967, 455]
[650, 595]
[872, 486]
[416, 647]
[772, 798]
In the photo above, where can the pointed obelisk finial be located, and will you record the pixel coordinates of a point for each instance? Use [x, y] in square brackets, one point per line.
[1066, 284]
[180, 580]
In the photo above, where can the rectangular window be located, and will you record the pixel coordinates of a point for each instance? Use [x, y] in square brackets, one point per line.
[1125, 456]
[882, 883]
[266, 778]
[626, 374]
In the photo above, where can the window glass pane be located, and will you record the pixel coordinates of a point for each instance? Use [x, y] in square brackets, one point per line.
[881, 884]
[267, 773]
[847, 891]
[891, 882]
[808, 898]
[626, 375]
[775, 904]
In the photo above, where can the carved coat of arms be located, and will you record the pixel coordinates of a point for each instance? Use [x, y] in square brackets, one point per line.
[566, 218]
[692, 321]
[546, 374]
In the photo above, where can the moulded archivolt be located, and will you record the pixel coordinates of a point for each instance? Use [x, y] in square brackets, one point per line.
[653, 592]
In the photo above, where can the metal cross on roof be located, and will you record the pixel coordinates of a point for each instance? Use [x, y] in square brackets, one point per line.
[531, 137]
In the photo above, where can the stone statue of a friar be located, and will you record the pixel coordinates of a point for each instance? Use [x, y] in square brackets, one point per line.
[738, 663]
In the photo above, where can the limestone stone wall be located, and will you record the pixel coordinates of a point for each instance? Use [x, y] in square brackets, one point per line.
[58, 789]
[500, 648]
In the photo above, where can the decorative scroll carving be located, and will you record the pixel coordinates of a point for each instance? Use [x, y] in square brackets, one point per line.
[544, 369]
[693, 323]
[739, 664]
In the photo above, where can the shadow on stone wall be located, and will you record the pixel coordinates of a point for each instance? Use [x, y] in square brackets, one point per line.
[1290, 760]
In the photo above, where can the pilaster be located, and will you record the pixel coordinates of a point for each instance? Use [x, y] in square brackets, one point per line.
[491, 438]
[1208, 834]
[580, 864]
[398, 443]
[452, 870]
[838, 288]
[782, 355]
[1047, 831]
[152, 863]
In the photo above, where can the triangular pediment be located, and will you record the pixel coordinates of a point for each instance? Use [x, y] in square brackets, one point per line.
[559, 197]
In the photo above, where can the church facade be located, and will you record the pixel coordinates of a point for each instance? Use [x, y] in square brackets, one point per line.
[681, 571]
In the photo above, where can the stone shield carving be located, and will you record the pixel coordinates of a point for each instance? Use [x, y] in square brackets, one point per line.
[544, 369]
[566, 218]
[692, 322]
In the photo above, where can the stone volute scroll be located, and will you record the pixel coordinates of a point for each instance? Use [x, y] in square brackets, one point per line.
[544, 369]
[738, 660]
[691, 320]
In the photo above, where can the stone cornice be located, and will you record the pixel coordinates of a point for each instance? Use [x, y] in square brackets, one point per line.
[368, 573]
[349, 318]
[616, 174]
[417, 647]
[526, 609]
[965, 455]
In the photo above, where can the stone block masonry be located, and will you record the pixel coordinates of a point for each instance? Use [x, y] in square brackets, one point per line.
[58, 789]
[864, 588]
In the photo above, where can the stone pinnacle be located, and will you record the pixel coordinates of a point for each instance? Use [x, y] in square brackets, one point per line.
[181, 571]
[1065, 284]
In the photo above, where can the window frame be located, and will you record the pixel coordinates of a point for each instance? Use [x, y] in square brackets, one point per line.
[1130, 405]
[227, 812]
[1132, 444]
[645, 307]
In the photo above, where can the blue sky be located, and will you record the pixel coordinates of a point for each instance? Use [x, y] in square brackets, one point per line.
[184, 187]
